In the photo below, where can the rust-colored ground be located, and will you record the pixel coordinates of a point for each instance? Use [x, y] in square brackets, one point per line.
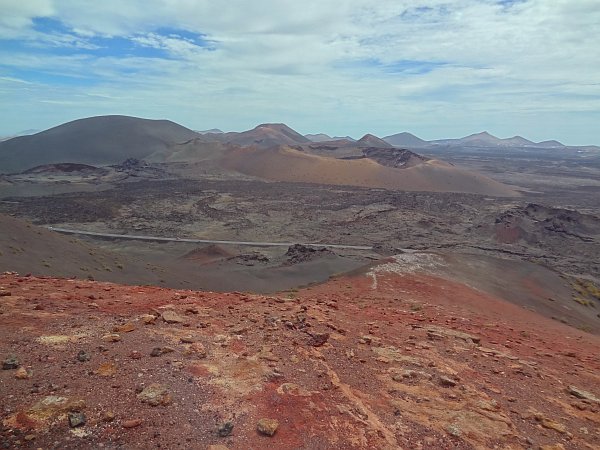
[381, 361]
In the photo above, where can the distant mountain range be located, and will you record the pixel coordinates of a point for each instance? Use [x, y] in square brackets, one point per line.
[483, 139]
[106, 140]
[270, 151]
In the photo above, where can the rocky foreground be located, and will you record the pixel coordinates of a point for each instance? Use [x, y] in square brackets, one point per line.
[379, 360]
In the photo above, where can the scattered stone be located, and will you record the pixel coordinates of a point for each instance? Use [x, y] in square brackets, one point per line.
[217, 447]
[148, 319]
[268, 427]
[192, 310]
[158, 351]
[172, 317]
[53, 405]
[135, 355]
[225, 429]
[550, 424]
[197, 349]
[132, 423]
[107, 369]
[407, 374]
[453, 430]
[76, 419]
[186, 339]
[489, 405]
[125, 328]
[108, 416]
[367, 339]
[4, 293]
[10, 363]
[83, 356]
[111, 337]
[552, 447]
[584, 395]
[155, 394]
[447, 382]
[266, 353]
[22, 374]
[318, 339]
[29, 437]
[446, 332]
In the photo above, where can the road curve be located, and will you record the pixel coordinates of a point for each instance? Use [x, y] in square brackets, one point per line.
[204, 241]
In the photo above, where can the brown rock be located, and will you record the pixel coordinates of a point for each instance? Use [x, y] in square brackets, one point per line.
[158, 351]
[192, 310]
[268, 427]
[53, 405]
[132, 423]
[319, 339]
[4, 293]
[148, 319]
[550, 424]
[111, 337]
[217, 447]
[447, 382]
[155, 394]
[22, 373]
[196, 349]
[584, 395]
[107, 369]
[437, 331]
[172, 317]
[552, 447]
[108, 416]
[125, 328]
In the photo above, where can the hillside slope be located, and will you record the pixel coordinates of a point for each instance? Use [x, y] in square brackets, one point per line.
[374, 361]
[27, 248]
[286, 164]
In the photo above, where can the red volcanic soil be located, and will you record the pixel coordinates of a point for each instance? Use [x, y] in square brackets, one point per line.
[373, 361]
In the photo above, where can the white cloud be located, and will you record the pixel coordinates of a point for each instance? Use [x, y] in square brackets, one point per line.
[16, 16]
[312, 63]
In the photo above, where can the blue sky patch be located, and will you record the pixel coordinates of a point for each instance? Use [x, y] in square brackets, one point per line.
[406, 67]
[61, 40]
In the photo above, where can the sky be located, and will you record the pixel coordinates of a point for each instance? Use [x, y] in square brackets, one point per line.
[436, 68]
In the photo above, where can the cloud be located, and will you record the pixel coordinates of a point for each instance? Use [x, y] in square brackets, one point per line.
[16, 18]
[340, 67]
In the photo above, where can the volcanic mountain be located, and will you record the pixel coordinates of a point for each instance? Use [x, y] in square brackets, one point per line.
[320, 137]
[368, 140]
[289, 164]
[405, 139]
[265, 135]
[98, 140]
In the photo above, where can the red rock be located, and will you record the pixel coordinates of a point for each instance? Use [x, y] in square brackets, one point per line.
[132, 423]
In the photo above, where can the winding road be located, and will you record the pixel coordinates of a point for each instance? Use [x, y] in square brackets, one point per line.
[204, 241]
